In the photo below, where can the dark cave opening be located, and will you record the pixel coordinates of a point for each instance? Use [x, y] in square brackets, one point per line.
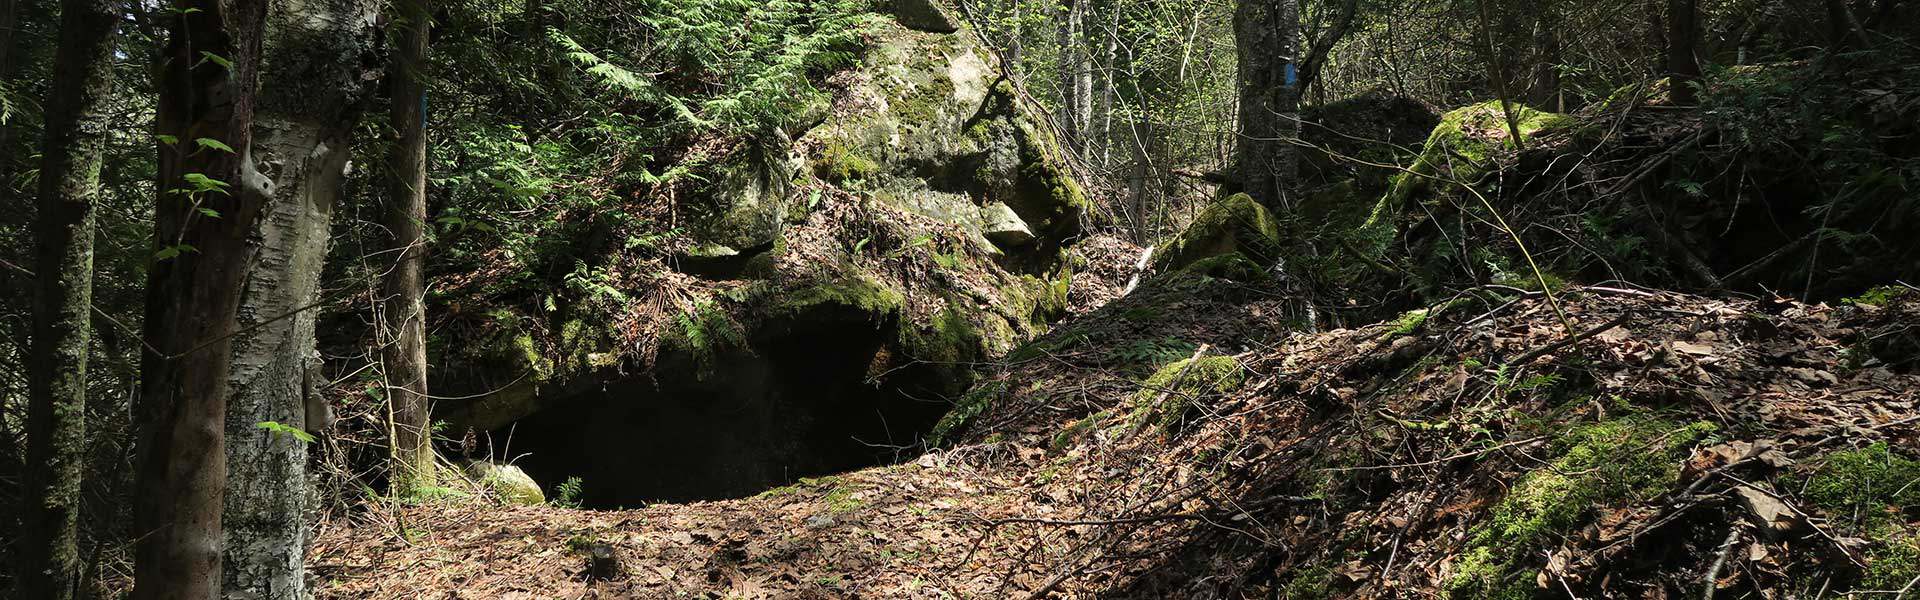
[801, 405]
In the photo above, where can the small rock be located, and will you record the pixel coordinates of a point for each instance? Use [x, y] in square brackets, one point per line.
[1003, 227]
[508, 482]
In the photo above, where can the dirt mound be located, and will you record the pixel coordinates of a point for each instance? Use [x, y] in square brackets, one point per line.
[1476, 450]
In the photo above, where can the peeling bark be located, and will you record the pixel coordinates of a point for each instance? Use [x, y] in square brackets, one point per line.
[316, 78]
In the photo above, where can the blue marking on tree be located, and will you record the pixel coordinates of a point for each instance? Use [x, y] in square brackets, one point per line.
[1293, 75]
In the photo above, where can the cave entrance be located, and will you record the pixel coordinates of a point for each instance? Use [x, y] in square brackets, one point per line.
[800, 406]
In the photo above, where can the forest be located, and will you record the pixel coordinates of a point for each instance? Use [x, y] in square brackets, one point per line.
[960, 299]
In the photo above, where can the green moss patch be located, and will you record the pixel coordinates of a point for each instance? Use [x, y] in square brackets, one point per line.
[1462, 148]
[1873, 493]
[1624, 460]
[1184, 383]
[1237, 224]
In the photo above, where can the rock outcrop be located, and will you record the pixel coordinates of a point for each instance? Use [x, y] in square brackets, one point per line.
[910, 227]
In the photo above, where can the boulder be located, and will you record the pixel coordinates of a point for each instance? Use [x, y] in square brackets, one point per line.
[1236, 225]
[508, 482]
[924, 15]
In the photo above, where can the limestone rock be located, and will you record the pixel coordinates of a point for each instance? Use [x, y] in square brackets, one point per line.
[1003, 227]
[508, 482]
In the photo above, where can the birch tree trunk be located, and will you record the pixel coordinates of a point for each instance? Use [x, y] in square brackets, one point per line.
[403, 289]
[316, 79]
[1266, 37]
[210, 199]
[76, 137]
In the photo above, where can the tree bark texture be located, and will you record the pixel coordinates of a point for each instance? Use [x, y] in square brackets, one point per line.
[1683, 69]
[207, 87]
[316, 75]
[402, 289]
[75, 141]
[1075, 79]
[1266, 36]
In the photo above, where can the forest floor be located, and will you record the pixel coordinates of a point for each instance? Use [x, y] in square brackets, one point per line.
[1474, 450]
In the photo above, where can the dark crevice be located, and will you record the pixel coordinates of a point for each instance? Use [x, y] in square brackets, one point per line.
[801, 405]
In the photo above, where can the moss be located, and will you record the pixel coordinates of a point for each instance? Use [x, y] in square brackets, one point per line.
[921, 104]
[1410, 322]
[1461, 149]
[1232, 266]
[841, 162]
[1185, 382]
[1622, 460]
[971, 404]
[1236, 224]
[585, 346]
[1874, 493]
[951, 337]
[840, 500]
[1310, 583]
[1879, 296]
[853, 291]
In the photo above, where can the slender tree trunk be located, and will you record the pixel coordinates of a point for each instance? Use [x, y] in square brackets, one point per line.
[314, 86]
[1082, 75]
[202, 252]
[76, 137]
[1266, 37]
[1016, 46]
[1067, 39]
[403, 314]
[1108, 53]
[1683, 70]
[1544, 90]
[1848, 32]
[1497, 72]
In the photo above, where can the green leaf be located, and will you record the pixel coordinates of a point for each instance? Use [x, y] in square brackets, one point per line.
[284, 429]
[203, 183]
[206, 56]
[173, 251]
[166, 139]
[214, 144]
[210, 213]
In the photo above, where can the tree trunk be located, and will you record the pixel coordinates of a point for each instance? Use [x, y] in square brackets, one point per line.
[1016, 46]
[76, 138]
[403, 345]
[1847, 30]
[202, 246]
[1266, 34]
[313, 89]
[1103, 120]
[1067, 40]
[1683, 70]
[1544, 89]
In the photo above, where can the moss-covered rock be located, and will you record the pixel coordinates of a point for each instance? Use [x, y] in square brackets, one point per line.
[507, 482]
[923, 15]
[1235, 225]
[1461, 150]
[1183, 384]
